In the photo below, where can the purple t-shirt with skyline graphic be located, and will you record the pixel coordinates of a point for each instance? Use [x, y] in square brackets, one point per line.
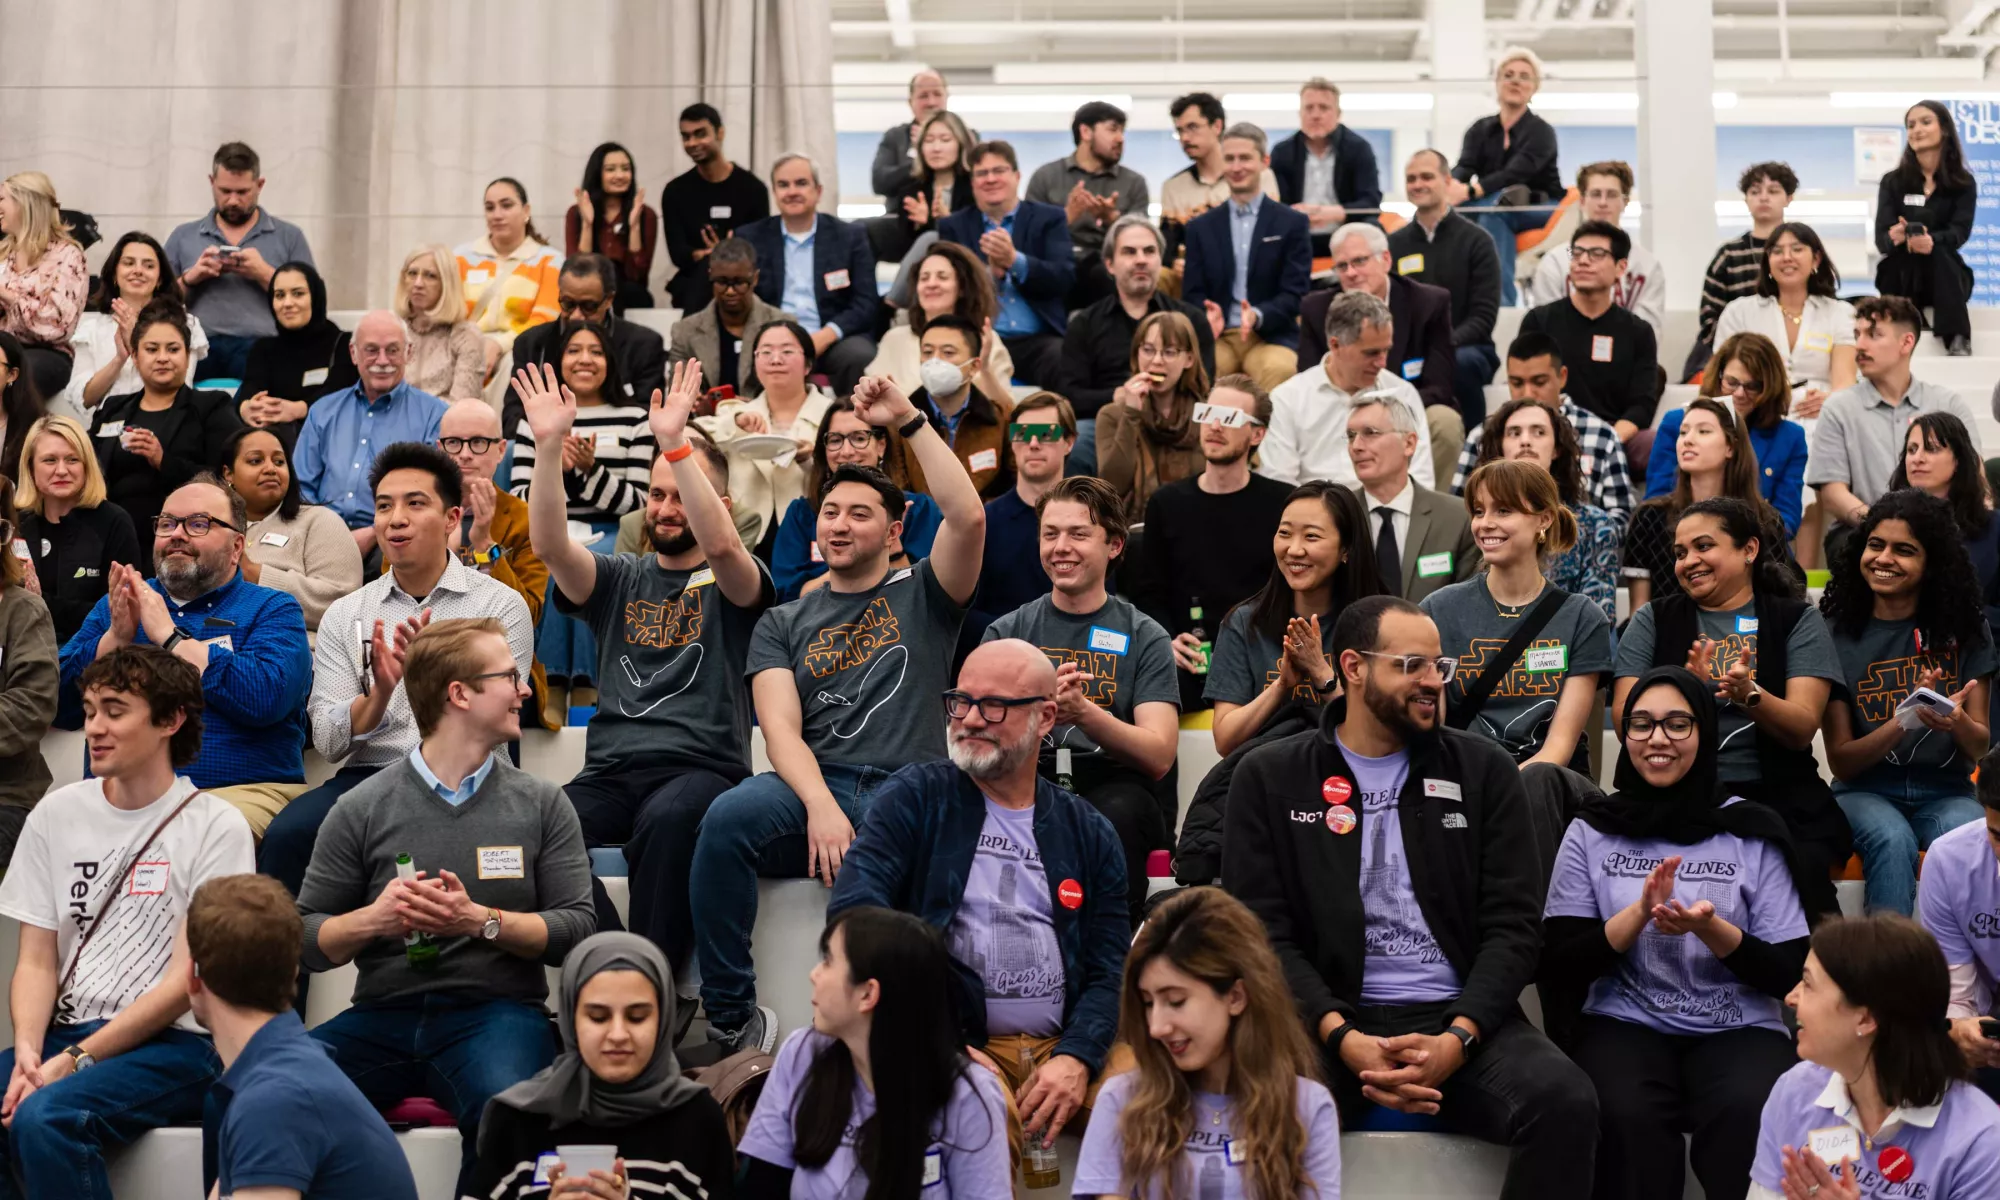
[1959, 902]
[1403, 963]
[1005, 930]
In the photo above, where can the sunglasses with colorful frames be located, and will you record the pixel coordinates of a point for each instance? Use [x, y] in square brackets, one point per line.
[1029, 433]
[1223, 415]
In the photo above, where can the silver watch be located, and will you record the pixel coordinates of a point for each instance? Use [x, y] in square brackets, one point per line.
[491, 930]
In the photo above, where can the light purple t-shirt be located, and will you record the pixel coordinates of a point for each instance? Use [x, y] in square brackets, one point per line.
[1210, 1175]
[1005, 930]
[1676, 985]
[1959, 902]
[1956, 1158]
[969, 1144]
[1403, 963]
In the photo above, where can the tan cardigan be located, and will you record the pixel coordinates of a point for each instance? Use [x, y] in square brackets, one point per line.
[312, 556]
[760, 490]
[448, 361]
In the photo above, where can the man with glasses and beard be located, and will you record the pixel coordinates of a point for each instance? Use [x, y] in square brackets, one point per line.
[1025, 880]
[247, 641]
[1393, 861]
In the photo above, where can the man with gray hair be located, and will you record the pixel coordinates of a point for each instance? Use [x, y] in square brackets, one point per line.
[1326, 170]
[1423, 539]
[896, 155]
[819, 269]
[1308, 435]
[1248, 263]
[1097, 349]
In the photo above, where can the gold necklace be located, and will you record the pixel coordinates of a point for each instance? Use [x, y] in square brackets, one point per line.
[1793, 319]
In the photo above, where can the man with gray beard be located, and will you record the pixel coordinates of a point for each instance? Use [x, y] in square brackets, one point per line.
[1025, 880]
[248, 642]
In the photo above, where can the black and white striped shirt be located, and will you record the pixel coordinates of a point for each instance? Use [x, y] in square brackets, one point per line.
[617, 482]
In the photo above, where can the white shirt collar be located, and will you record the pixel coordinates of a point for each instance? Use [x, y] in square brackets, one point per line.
[453, 580]
[1403, 503]
[1834, 1096]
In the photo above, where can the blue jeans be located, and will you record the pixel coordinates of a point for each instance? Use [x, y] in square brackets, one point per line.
[1472, 371]
[287, 848]
[1890, 829]
[228, 355]
[458, 1051]
[57, 1142]
[756, 828]
[1082, 458]
[1503, 224]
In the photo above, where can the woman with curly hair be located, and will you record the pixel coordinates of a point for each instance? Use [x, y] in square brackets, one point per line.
[1906, 613]
[1524, 430]
[1226, 1086]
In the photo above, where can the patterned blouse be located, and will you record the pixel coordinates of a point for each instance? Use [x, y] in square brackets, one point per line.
[1590, 568]
[51, 294]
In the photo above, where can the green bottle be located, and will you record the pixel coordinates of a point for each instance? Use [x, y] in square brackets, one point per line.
[1200, 635]
[420, 948]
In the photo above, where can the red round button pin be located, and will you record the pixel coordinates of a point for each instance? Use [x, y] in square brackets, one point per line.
[1895, 1164]
[1070, 893]
[1340, 819]
[1336, 790]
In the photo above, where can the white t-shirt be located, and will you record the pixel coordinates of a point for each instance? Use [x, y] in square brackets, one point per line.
[75, 847]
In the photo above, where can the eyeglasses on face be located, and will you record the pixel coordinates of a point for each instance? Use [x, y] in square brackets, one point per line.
[512, 675]
[1367, 433]
[778, 353]
[1677, 726]
[1353, 264]
[1749, 387]
[197, 525]
[1045, 434]
[478, 445]
[859, 439]
[1415, 664]
[570, 304]
[1596, 254]
[992, 709]
[729, 283]
[992, 172]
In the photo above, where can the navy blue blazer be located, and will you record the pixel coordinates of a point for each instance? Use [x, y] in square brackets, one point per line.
[1041, 233]
[837, 246]
[1280, 267]
[1356, 181]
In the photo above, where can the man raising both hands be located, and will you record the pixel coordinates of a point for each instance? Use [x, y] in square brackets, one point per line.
[846, 681]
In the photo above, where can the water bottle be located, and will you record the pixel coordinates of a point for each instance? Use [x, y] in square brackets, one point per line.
[420, 948]
[1040, 1168]
[1200, 635]
[1064, 779]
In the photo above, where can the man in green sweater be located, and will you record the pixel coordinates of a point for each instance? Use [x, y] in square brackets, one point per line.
[450, 878]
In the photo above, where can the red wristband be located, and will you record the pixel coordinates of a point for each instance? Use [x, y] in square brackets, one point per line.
[678, 452]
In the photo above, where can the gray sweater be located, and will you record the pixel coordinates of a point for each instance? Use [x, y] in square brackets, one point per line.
[395, 812]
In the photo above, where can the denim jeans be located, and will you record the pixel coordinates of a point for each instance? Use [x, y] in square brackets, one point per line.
[456, 1050]
[1082, 458]
[228, 355]
[1472, 370]
[1889, 829]
[1503, 224]
[756, 828]
[57, 1142]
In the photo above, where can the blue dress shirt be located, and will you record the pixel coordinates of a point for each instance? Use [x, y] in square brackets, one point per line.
[1017, 318]
[346, 426]
[798, 297]
[466, 786]
[1242, 235]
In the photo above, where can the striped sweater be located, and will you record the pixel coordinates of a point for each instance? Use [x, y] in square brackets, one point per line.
[1731, 273]
[617, 482]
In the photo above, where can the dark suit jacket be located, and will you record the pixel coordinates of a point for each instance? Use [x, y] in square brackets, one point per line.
[1280, 267]
[1422, 314]
[1356, 181]
[1041, 232]
[837, 246]
[1437, 524]
[641, 355]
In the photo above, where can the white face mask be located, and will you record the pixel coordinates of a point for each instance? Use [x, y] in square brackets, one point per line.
[940, 377]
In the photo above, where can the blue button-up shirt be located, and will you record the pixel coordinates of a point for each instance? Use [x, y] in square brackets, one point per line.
[466, 786]
[799, 297]
[1017, 318]
[258, 679]
[1242, 235]
[343, 434]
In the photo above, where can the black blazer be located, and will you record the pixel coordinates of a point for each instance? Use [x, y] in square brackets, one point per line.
[1422, 316]
[1356, 180]
[961, 199]
[1041, 234]
[191, 434]
[1280, 266]
[838, 246]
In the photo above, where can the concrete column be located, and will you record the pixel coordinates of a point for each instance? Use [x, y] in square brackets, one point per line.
[1674, 55]
[1461, 72]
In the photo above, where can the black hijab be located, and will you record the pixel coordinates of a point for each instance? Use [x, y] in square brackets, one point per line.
[1691, 809]
[320, 329]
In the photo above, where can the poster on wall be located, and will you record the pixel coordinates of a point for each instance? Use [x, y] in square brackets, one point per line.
[1876, 149]
[1979, 133]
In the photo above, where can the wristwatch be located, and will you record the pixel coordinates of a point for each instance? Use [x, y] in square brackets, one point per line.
[1465, 1038]
[80, 1057]
[1756, 696]
[176, 638]
[912, 427]
[491, 930]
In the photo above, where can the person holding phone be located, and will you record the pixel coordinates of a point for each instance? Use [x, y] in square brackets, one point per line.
[1924, 211]
[1908, 623]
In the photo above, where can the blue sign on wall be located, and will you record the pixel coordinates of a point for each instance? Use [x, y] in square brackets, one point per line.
[1979, 133]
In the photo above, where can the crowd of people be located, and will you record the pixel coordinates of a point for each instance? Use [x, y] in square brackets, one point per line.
[967, 548]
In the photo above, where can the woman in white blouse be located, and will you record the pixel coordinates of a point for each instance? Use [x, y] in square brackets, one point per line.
[134, 274]
[1795, 307]
[763, 484]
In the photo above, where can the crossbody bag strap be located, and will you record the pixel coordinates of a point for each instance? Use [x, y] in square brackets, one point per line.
[1462, 713]
[117, 888]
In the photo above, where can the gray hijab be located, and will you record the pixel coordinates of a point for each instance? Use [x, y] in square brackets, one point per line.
[567, 1092]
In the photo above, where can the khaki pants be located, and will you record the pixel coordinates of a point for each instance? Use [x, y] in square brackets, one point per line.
[1447, 440]
[1269, 365]
[260, 802]
[1003, 1055]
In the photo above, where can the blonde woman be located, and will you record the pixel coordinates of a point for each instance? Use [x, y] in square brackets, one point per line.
[73, 532]
[1146, 436]
[447, 355]
[43, 278]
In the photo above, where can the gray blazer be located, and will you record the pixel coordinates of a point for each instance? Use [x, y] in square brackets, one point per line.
[1438, 525]
[699, 336]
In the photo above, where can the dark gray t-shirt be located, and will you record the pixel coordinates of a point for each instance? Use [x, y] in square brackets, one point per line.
[1880, 668]
[670, 684]
[870, 666]
[1576, 641]
[1809, 654]
[1245, 661]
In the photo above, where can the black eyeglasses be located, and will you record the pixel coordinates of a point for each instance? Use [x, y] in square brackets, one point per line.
[478, 445]
[197, 525]
[1677, 726]
[513, 677]
[724, 284]
[992, 709]
[860, 439]
[582, 306]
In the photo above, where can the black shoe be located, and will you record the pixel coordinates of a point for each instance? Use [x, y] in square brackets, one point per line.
[760, 1032]
[1959, 347]
[1514, 195]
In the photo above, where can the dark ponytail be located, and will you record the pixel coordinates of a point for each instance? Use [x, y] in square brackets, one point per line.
[1891, 966]
[1772, 574]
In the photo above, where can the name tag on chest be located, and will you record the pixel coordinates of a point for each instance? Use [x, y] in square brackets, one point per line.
[314, 377]
[274, 539]
[1109, 640]
[502, 862]
[1547, 658]
[933, 1167]
[1915, 199]
[983, 460]
[1835, 1144]
[149, 879]
[1430, 566]
[1600, 347]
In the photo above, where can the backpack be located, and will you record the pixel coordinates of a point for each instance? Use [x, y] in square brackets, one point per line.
[736, 1082]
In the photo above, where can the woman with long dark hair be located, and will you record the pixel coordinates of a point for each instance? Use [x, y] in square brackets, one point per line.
[843, 440]
[1526, 431]
[1748, 373]
[295, 547]
[1716, 461]
[1798, 309]
[1880, 1106]
[877, 1099]
[950, 280]
[1227, 1083]
[942, 183]
[1272, 648]
[1924, 210]
[135, 274]
[1146, 436]
[1906, 613]
[509, 275]
[307, 358]
[608, 457]
[1741, 621]
[1673, 906]
[610, 217]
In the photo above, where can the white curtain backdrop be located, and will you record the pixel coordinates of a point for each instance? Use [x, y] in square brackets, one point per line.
[381, 121]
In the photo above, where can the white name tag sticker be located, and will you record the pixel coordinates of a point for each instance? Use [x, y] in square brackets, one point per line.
[1817, 341]
[933, 1167]
[1410, 264]
[1915, 199]
[1235, 1153]
[502, 862]
[222, 641]
[1746, 624]
[628, 390]
[718, 212]
[813, 552]
[274, 539]
[838, 280]
[111, 429]
[1109, 640]
[1444, 789]
[1835, 1144]
[1548, 658]
[314, 377]
[542, 1166]
[1430, 566]
[983, 460]
[606, 440]
[148, 879]
[1600, 347]
[1412, 368]
[703, 576]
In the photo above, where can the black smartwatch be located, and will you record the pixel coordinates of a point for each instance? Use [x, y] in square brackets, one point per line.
[1465, 1037]
[909, 428]
[175, 639]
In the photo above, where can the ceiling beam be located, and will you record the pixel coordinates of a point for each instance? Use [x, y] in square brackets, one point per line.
[902, 33]
[1234, 29]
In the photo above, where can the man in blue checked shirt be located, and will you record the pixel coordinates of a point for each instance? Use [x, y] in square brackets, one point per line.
[248, 642]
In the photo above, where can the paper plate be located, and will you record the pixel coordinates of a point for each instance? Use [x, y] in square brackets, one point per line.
[582, 534]
[760, 445]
